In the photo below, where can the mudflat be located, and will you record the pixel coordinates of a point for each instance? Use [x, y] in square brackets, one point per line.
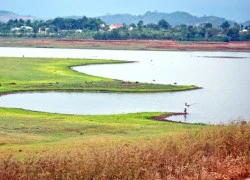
[162, 45]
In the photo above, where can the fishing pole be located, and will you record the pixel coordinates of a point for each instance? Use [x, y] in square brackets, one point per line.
[192, 104]
[187, 105]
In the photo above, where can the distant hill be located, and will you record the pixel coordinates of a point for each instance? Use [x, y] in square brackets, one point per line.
[175, 18]
[5, 16]
[247, 23]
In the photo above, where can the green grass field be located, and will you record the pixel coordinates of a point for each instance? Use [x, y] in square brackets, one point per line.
[36, 145]
[41, 74]
[22, 129]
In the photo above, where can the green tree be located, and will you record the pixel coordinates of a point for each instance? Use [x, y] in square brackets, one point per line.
[163, 24]
[152, 26]
[4, 29]
[11, 23]
[59, 22]
[21, 22]
[191, 33]
[114, 34]
[225, 25]
[208, 25]
[140, 25]
[35, 29]
[28, 23]
[212, 32]
[234, 33]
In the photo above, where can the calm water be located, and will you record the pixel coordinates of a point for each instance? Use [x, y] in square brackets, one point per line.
[226, 83]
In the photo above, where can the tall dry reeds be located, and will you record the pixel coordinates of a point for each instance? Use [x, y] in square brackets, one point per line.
[220, 152]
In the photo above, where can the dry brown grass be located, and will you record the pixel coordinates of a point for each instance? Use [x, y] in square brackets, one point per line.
[222, 152]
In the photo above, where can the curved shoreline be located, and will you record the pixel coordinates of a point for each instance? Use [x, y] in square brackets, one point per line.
[164, 117]
[92, 90]
[82, 82]
[161, 118]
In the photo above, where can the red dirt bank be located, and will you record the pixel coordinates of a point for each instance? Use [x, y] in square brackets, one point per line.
[127, 44]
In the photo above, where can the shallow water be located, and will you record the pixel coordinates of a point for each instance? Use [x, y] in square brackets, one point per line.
[226, 83]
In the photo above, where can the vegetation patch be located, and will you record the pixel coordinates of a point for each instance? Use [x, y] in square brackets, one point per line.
[120, 146]
[43, 74]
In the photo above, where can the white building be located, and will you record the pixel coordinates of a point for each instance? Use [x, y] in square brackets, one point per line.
[130, 28]
[15, 29]
[22, 28]
[27, 28]
[78, 31]
[102, 26]
[244, 31]
[43, 30]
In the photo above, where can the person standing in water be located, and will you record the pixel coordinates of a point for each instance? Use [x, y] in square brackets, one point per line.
[186, 107]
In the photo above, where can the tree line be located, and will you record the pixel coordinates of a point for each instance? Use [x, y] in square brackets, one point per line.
[55, 26]
[164, 31]
[94, 28]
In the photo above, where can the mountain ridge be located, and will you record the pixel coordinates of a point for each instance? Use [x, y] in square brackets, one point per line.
[174, 18]
[5, 16]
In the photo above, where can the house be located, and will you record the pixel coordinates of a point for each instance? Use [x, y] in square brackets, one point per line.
[244, 31]
[27, 28]
[43, 30]
[115, 26]
[102, 26]
[130, 28]
[22, 29]
[15, 29]
[78, 31]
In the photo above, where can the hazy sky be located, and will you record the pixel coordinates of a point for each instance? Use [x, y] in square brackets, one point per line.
[238, 10]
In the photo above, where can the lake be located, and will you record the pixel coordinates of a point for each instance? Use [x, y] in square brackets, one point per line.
[224, 76]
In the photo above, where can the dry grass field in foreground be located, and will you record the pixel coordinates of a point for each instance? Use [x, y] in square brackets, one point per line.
[222, 152]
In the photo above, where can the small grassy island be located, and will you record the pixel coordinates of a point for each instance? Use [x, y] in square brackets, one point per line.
[36, 145]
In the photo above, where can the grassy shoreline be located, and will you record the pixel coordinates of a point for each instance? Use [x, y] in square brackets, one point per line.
[44, 74]
[128, 126]
[25, 132]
